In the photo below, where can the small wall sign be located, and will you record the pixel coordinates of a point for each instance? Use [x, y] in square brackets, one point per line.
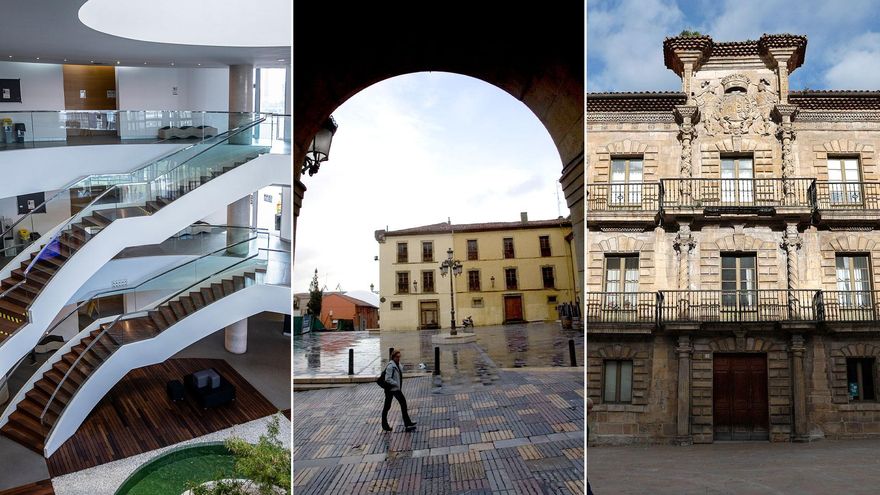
[111, 93]
[82, 93]
[10, 90]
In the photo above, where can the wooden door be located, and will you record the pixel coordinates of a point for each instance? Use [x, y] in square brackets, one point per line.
[740, 397]
[429, 314]
[513, 308]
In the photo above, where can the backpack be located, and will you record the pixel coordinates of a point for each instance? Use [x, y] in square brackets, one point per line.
[381, 381]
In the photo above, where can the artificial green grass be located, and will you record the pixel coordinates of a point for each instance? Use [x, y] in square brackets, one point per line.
[170, 473]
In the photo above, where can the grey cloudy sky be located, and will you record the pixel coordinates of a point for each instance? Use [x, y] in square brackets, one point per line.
[416, 150]
[625, 37]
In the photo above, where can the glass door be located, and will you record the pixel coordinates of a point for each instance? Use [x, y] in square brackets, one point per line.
[844, 181]
[739, 287]
[622, 284]
[737, 181]
[626, 182]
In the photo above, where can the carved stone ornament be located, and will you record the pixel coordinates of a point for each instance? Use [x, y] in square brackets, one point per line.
[736, 106]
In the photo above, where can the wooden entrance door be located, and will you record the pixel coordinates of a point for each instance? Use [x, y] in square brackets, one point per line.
[740, 397]
[513, 309]
[429, 314]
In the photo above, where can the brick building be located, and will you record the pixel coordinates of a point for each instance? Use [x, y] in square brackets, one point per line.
[732, 247]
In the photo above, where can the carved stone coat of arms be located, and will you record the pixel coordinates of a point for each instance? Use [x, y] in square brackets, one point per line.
[736, 105]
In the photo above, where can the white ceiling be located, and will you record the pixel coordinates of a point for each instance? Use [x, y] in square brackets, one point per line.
[52, 31]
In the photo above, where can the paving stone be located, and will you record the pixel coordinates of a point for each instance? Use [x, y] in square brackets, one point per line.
[469, 438]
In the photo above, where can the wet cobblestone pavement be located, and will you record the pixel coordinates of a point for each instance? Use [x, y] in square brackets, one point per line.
[524, 434]
[504, 346]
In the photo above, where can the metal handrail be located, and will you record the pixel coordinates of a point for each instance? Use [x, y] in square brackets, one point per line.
[107, 328]
[127, 289]
[116, 186]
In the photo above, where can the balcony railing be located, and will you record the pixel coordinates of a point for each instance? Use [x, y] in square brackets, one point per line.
[736, 193]
[739, 305]
[637, 196]
[848, 195]
[622, 307]
[853, 305]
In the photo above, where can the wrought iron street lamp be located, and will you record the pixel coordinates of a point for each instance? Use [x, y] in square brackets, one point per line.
[319, 150]
[454, 266]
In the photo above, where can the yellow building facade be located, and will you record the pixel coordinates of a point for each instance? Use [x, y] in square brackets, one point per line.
[511, 272]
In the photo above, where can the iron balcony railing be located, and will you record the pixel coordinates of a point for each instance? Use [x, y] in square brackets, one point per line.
[847, 195]
[851, 305]
[735, 193]
[637, 196]
[622, 307]
[760, 305]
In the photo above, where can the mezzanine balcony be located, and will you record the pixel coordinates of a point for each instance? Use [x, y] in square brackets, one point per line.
[736, 197]
[643, 310]
[847, 202]
[623, 203]
[735, 306]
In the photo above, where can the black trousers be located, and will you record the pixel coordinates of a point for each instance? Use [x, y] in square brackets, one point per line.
[397, 394]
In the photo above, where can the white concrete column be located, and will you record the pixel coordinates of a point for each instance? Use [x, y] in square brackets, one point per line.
[236, 337]
[238, 214]
[241, 98]
[286, 220]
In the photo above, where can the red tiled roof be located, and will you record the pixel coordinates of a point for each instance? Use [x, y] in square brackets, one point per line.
[835, 100]
[446, 228]
[747, 48]
[634, 102]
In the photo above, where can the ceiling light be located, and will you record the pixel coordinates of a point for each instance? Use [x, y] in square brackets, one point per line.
[92, 61]
[118, 62]
[281, 60]
[38, 58]
[65, 60]
[200, 65]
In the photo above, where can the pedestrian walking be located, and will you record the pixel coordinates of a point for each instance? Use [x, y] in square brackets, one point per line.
[394, 378]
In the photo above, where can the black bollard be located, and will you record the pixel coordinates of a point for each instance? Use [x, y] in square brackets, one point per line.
[571, 352]
[351, 361]
[436, 360]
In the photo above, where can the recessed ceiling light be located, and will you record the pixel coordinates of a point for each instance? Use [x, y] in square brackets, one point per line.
[92, 61]
[172, 63]
[118, 62]
[281, 60]
[200, 65]
[10, 56]
[145, 63]
[65, 60]
[38, 58]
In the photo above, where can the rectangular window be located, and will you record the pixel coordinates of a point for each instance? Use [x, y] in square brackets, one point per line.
[551, 299]
[402, 252]
[472, 252]
[844, 181]
[737, 180]
[853, 281]
[626, 181]
[545, 245]
[474, 280]
[427, 251]
[477, 302]
[617, 381]
[396, 305]
[738, 285]
[548, 277]
[510, 278]
[403, 282]
[508, 247]
[428, 281]
[860, 378]
[621, 282]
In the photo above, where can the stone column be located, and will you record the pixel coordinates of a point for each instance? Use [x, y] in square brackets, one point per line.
[785, 114]
[686, 117]
[683, 244]
[236, 337]
[799, 399]
[241, 99]
[238, 214]
[781, 56]
[791, 242]
[683, 422]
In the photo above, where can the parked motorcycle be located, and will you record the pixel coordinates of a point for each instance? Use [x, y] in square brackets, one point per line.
[467, 322]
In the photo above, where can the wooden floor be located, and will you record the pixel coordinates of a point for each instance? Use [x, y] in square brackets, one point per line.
[136, 416]
[39, 488]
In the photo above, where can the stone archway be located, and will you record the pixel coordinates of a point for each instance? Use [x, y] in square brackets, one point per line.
[338, 51]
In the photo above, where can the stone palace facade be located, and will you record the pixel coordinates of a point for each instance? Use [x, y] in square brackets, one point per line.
[732, 248]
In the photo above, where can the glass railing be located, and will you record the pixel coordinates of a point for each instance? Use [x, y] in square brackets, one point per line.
[177, 292]
[30, 129]
[104, 198]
